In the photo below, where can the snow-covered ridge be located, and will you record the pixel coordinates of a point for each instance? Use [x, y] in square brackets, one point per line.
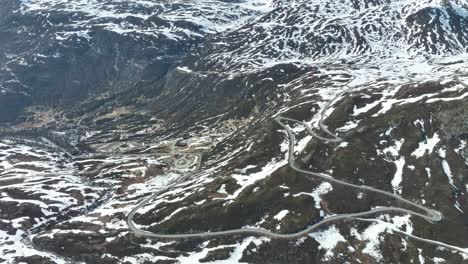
[324, 30]
[173, 19]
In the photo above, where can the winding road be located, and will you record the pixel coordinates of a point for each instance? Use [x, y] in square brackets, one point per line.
[189, 160]
[428, 214]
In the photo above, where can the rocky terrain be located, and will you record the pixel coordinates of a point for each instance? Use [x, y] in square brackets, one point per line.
[105, 103]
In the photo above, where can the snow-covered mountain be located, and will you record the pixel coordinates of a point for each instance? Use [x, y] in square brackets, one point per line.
[109, 102]
[170, 19]
[61, 52]
[319, 31]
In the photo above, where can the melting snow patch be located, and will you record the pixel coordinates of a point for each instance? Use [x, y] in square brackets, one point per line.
[281, 215]
[343, 144]
[172, 214]
[373, 233]
[428, 170]
[357, 111]
[372, 236]
[328, 239]
[321, 190]
[427, 146]
[348, 126]
[185, 69]
[420, 257]
[448, 172]
[222, 189]
[235, 256]
[396, 181]
[394, 152]
[144, 258]
[267, 170]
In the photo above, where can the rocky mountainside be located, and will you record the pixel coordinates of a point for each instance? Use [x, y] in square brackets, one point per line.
[58, 53]
[105, 103]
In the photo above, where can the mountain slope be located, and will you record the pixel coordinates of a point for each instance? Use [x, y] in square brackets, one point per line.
[181, 95]
[57, 53]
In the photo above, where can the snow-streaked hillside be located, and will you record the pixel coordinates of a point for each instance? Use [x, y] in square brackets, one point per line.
[121, 42]
[172, 19]
[140, 82]
[317, 31]
[38, 187]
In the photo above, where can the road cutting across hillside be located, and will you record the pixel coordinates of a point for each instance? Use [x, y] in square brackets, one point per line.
[428, 214]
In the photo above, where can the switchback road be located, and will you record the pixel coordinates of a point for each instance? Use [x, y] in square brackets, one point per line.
[429, 214]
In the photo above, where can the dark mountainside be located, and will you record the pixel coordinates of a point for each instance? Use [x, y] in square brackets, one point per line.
[103, 103]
